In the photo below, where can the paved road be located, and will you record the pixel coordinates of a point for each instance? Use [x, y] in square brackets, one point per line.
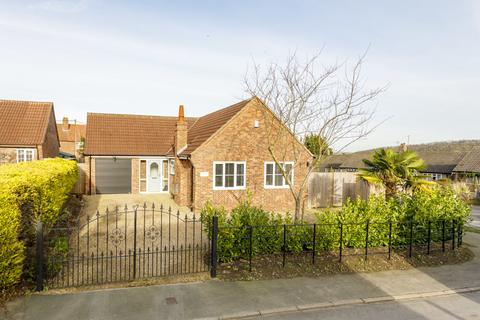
[475, 216]
[465, 306]
[216, 298]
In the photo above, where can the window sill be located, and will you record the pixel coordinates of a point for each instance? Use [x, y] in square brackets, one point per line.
[226, 189]
[276, 187]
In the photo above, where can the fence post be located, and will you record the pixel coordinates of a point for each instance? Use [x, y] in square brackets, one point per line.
[443, 235]
[314, 242]
[341, 243]
[213, 255]
[39, 253]
[284, 244]
[460, 235]
[453, 234]
[250, 236]
[390, 241]
[429, 236]
[135, 244]
[410, 247]
[366, 240]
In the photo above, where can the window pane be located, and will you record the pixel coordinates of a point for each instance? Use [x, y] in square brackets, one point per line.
[278, 180]
[218, 181]
[240, 172]
[269, 168]
[240, 167]
[239, 180]
[219, 169]
[229, 168]
[277, 169]
[229, 181]
[21, 155]
[269, 180]
[29, 155]
[289, 171]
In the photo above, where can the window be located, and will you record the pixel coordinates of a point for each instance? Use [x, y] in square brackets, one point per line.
[274, 177]
[229, 175]
[172, 166]
[24, 155]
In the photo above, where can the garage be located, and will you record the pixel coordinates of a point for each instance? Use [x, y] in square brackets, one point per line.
[113, 175]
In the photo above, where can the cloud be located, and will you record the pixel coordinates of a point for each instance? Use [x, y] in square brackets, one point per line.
[60, 6]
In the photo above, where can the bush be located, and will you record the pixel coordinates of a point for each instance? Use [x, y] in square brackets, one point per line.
[422, 207]
[29, 192]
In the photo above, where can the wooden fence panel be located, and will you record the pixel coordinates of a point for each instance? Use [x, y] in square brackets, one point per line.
[80, 185]
[332, 189]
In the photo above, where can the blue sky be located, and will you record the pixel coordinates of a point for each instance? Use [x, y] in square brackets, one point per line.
[147, 57]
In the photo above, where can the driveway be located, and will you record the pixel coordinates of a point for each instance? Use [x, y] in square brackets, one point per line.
[110, 201]
[475, 216]
[213, 298]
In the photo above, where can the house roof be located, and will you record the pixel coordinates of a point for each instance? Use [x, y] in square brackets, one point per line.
[207, 125]
[24, 122]
[73, 134]
[470, 162]
[440, 157]
[119, 134]
[129, 135]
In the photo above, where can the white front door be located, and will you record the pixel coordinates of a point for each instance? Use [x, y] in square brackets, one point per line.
[154, 175]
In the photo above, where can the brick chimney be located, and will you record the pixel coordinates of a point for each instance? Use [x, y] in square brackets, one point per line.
[65, 125]
[181, 131]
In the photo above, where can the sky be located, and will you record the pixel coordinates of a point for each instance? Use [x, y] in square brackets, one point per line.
[147, 57]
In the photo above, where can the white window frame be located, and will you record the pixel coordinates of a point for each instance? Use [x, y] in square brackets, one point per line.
[273, 186]
[24, 150]
[234, 175]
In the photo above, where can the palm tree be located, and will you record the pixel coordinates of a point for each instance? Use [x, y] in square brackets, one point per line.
[396, 171]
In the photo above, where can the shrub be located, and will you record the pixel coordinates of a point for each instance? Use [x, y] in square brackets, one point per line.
[29, 192]
[440, 203]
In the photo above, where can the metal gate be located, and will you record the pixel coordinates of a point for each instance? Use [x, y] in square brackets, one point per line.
[123, 245]
[113, 175]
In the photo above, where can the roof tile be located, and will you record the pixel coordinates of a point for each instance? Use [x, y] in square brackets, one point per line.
[24, 122]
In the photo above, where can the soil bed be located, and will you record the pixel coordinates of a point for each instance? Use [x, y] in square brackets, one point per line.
[300, 265]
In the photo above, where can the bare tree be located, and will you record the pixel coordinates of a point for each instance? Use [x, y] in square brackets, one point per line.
[329, 102]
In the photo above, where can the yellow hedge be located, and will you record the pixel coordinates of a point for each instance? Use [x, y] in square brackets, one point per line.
[29, 192]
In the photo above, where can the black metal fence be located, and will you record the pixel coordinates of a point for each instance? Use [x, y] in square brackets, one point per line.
[121, 245]
[331, 241]
[124, 245]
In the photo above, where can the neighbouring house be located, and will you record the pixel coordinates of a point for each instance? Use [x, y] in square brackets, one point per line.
[457, 160]
[27, 131]
[218, 157]
[72, 138]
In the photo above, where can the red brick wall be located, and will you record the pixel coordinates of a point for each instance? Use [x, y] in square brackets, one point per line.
[8, 155]
[240, 141]
[181, 186]
[51, 146]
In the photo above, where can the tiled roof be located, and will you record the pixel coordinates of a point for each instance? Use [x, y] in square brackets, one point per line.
[116, 134]
[24, 122]
[73, 134]
[470, 162]
[443, 157]
[207, 125]
[128, 135]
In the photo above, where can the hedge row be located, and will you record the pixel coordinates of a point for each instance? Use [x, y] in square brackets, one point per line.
[29, 192]
[267, 234]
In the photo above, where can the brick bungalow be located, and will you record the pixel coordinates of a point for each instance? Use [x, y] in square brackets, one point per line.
[216, 157]
[27, 131]
[72, 137]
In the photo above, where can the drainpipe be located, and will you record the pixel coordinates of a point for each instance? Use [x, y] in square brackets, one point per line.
[90, 175]
[191, 186]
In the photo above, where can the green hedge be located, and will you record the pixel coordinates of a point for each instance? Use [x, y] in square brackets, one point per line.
[268, 232]
[29, 192]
